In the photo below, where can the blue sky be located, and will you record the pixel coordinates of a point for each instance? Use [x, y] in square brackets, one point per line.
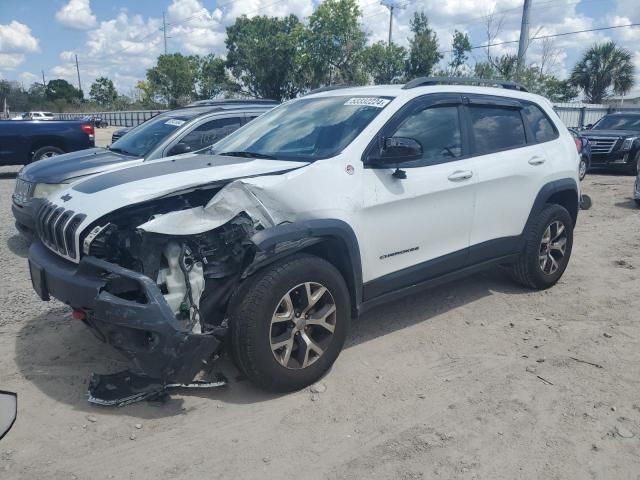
[120, 39]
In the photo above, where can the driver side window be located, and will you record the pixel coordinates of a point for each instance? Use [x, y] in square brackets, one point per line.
[210, 132]
[438, 131]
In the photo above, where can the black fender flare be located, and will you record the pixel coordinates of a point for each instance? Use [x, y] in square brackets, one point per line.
[284, 239]
[545, 194]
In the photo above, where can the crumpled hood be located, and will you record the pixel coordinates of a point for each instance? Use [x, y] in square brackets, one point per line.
[107, 192]
[64, 168]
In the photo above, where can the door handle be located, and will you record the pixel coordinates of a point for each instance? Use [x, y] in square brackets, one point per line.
[460, 175]
[537, 161]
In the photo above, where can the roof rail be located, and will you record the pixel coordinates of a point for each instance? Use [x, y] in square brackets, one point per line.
[426, 81]
[327, 89]
[231, 101]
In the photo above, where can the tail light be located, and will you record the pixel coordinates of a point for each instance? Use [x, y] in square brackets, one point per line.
[89, 130]
[578, 141]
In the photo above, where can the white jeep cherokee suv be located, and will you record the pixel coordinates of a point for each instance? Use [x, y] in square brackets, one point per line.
[269, 243]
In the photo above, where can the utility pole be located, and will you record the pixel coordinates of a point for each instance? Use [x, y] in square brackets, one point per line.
[164, 32]
[391, 6]
[44, 84]
[523, 45]
[78, 70]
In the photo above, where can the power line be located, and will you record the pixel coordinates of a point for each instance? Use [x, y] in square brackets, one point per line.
[542, 37]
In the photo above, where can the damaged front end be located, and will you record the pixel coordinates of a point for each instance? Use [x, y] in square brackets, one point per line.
[154, 281]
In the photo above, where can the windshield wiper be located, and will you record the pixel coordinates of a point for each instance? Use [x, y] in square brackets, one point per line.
[247, 154]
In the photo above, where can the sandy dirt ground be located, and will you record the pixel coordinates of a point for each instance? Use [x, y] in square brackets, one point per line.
[478, 379]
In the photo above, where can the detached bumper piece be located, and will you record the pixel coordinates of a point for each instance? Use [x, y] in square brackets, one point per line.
[124, 388]
[127, 310]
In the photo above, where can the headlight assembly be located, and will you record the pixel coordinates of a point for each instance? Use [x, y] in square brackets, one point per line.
[44, 190]
[628, 143]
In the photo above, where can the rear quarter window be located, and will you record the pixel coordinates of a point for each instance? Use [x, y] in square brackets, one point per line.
[541, 127]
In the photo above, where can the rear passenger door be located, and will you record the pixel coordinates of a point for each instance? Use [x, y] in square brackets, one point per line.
[512, 165]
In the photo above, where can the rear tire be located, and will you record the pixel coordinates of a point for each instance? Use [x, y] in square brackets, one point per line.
[547, 249]
[46, 152]
[583, 168]
[271, 341]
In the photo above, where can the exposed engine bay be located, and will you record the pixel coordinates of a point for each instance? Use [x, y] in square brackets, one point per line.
[190, 270]
[196, 274]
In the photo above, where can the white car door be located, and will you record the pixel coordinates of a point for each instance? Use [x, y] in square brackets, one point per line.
[512, 166]
[418, 227]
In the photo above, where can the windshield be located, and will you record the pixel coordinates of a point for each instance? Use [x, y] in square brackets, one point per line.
[142, 139]
[618, 122]
[304, 130]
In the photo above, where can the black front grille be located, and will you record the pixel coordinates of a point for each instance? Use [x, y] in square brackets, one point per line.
[57, 228]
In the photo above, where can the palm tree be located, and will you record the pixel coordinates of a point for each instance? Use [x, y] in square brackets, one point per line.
[603, 68]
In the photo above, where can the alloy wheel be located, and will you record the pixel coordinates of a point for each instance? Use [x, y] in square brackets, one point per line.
[553, 247]
[582, 169]
[302, 325]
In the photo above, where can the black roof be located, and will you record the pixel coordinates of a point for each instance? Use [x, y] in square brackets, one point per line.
[192, 110]
[232, 102]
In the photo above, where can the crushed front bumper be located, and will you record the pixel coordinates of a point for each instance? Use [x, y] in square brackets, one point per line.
[126, 310]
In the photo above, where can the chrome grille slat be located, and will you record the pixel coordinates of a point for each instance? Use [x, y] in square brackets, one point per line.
[603, 144]
[57, 229]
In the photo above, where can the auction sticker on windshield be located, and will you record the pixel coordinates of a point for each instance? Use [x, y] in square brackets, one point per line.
[368, 102]
[175, 122]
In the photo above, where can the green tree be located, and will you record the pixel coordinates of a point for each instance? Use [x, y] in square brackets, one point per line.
[604, 69]
[461, 47]
[174, 78]
[103, 92]
[60, 89]
[145, 92]
[261, 55]
[212, 79]
[423, 47]
[385, 63]
[332, 46]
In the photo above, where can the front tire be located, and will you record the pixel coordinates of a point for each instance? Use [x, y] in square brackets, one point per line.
[288, 323]
[547, 249]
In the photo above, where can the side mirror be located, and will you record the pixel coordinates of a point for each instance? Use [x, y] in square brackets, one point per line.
[8, 411]
[400, 149]
[179, 148]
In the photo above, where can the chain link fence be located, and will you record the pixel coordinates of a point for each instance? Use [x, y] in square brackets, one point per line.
[115, 119]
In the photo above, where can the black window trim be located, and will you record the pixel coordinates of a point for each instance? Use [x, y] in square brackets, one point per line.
[432, 100]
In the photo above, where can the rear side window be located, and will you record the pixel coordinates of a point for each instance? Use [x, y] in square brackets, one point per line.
[541, 127]
[496, 128]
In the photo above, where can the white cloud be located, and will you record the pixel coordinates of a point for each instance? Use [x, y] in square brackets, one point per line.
[28, 78]
[77, 15]
[17, 37]
[9, 61]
